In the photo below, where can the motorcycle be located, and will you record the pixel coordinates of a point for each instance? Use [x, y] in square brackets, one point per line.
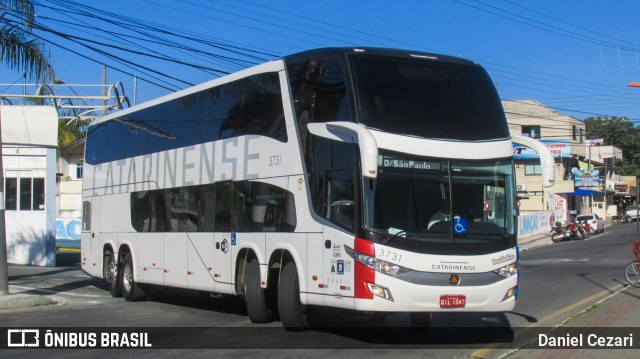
[571, 231]
[585, 229]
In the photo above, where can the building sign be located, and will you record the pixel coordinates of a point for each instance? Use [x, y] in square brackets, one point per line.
[586, 178]
[559, 149]
[596, 142]
[68, 228]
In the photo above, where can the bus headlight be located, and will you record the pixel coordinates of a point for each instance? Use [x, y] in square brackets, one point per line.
[508, 270]
[376, 264]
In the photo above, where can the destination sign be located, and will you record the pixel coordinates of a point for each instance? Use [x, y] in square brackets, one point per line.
[389, 162]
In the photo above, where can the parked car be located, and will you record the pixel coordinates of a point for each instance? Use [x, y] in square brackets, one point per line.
[596, 223]
[631, 212]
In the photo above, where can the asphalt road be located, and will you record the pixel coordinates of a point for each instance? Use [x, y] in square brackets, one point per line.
[557, 282]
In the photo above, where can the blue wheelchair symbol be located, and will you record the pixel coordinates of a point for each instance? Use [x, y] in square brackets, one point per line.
[459, 225]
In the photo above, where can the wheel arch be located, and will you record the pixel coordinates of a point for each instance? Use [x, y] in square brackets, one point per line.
[281, 257]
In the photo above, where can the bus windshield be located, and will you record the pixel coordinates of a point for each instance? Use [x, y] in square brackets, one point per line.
[423, 200]
[426, 98]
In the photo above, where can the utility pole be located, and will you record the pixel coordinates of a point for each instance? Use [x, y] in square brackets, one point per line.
[4, 271]
[637, 84]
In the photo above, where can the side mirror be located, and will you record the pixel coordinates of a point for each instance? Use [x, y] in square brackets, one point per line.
[353, 133]
[547, 162]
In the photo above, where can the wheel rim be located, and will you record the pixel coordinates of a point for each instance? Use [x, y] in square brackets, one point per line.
[127, 278]
[632, 274]
[110, 273]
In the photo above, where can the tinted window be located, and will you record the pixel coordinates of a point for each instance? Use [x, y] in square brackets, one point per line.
[11, 194]
[225, 206]
[262, 112]
[319, 90]
[25, 194]
[427, 98]
[332, 180]
[38, 194]
[260, 207]
[248, 106]
[86, 216]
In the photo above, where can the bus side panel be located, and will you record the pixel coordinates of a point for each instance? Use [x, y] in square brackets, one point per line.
[150, 266]
[339, 269]
[200, 262]
[315, 270]
[175, 260]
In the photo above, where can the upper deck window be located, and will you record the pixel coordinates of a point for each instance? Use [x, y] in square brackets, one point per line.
[427, 98]
[250, 106]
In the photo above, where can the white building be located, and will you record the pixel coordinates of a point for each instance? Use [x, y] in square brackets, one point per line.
[29, 140]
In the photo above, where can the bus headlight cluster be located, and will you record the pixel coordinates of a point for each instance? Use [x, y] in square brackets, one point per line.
[376, 264]
[508, 270]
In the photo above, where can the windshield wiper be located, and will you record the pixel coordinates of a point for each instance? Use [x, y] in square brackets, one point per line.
[396, 235]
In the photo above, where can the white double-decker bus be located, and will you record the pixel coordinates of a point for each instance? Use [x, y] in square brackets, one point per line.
[310, 181]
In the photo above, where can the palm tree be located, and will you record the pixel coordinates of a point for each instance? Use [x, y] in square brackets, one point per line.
[19, 50]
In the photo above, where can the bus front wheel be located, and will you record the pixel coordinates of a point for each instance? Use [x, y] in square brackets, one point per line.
[257, 307]
[131, 291]
[292, 312]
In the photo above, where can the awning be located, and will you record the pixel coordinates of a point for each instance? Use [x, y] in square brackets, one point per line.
[585, 192]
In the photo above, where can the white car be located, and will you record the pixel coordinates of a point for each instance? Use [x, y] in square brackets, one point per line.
[596, 223]
[631, 212]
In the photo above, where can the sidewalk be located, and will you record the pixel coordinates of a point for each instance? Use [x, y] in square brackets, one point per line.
[544, 239]
[36, 293]
[616, 315]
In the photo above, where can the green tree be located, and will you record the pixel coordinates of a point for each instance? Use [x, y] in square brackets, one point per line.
[20, 50]
[618, 132]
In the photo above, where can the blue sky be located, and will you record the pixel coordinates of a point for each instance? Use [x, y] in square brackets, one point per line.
[575, 56]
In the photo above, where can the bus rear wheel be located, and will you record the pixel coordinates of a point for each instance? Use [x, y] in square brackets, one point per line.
[111, 274]
[131, 291]
[257, 307]
[292, 312]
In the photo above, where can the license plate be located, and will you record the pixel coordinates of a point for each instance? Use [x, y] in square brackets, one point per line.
[453, 301]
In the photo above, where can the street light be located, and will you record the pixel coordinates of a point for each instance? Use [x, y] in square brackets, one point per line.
[637, 84]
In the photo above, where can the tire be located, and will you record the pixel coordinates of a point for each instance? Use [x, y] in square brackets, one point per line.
[111, 273]
[631, 274]
[557, 237]
[257, 306]
[292, 312]
[592, 231]
[420, 320]
[131, 291]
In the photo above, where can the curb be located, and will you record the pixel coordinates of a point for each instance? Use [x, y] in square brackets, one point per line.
[28, 300]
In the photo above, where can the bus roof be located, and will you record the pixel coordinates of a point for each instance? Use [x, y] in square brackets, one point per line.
[377, 51]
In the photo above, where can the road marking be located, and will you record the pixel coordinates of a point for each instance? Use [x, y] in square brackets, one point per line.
[54, 292]
[553, 260]
[611, 291]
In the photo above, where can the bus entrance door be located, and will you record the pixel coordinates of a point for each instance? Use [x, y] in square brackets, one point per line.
[90, 237]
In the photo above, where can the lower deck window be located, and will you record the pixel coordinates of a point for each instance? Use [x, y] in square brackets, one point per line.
[242, 206]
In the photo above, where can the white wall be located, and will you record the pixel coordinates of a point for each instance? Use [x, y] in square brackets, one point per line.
[29, 139]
